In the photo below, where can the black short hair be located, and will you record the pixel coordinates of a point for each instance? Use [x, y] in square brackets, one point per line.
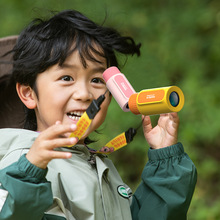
[46, 42]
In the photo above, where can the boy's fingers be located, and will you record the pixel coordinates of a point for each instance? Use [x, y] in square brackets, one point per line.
[59, 155]
[58, 129]
[175, 118]
[147, 126]
[171, 116]
[61, 142]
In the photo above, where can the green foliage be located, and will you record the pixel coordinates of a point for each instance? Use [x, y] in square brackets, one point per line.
[180, 46]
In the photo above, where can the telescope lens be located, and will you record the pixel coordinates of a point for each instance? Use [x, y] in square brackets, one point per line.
[174, 99]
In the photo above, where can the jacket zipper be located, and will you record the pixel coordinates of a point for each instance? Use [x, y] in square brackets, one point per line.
[92, 162]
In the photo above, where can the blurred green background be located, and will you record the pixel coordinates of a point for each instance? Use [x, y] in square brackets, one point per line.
[180, 46]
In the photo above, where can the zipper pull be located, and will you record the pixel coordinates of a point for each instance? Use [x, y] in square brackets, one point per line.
[92, 159]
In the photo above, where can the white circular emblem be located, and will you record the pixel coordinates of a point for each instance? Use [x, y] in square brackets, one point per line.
[123, 192]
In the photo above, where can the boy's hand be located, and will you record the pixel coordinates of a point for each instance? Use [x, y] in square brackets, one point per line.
[165, 133]
[42, 151]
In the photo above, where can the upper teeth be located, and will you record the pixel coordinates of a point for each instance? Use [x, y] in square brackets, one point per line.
[75, 115]
[78, 113]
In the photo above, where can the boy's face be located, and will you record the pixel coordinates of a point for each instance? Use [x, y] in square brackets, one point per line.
[64, 93]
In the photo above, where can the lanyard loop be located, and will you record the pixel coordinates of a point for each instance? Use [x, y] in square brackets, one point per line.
[116, 143]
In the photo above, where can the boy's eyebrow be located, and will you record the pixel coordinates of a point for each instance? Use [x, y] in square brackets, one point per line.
[66, 65]
[99, 69]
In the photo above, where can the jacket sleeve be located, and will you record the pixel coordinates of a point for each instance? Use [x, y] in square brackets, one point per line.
[168, 183]
[24, 192]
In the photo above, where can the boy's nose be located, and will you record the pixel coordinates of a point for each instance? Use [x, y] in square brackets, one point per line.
[82, 93]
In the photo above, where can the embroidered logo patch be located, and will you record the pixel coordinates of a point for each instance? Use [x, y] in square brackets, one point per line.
[123, 192]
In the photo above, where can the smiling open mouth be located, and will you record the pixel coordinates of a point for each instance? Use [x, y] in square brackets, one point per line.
[75, 115]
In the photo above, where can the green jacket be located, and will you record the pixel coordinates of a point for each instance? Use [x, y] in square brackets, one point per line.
[89, 187]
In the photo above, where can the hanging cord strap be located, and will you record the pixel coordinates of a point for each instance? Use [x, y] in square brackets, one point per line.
[119, 141]
[116, 143]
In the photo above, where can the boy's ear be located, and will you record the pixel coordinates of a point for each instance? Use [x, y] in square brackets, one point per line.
[27, 95]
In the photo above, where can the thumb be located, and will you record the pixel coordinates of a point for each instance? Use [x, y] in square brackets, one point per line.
[147, 126]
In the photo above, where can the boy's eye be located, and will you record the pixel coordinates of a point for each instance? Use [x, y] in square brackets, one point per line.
[98, 80]
[66, 78]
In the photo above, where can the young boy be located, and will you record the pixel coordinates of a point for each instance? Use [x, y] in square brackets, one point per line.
[58, 66]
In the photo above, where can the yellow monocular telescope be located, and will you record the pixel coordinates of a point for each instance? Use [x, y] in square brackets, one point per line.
[156, 101]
